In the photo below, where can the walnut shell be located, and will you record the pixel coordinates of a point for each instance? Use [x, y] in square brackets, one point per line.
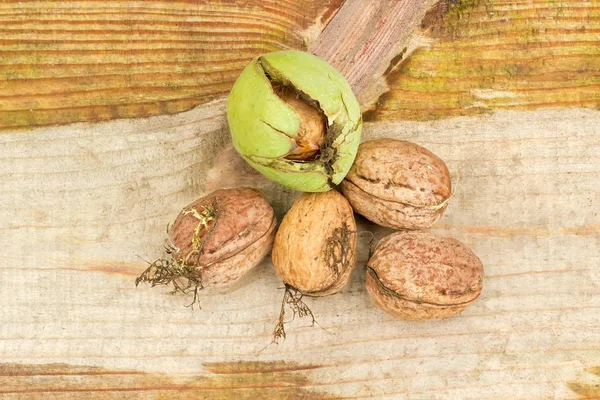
[418, 275]
[225, 234]
[398, 184]
[315, 246]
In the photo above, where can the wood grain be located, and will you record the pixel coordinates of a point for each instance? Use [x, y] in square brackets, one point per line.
[79, 202]
[495, 55]
[585, 388]
[96, 60]
[234, 380]
[82, 204]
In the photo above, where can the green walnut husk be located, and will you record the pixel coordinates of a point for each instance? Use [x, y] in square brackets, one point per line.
[294, 118]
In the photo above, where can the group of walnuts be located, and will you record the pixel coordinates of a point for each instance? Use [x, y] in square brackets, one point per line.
[412, 274]
[295, 119]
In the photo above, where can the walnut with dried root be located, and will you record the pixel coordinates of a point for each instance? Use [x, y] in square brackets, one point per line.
[314, 251]
[214, 241]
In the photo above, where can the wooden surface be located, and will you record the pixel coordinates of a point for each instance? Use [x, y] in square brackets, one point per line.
[81, 203]
[93, 60]
[498, 55]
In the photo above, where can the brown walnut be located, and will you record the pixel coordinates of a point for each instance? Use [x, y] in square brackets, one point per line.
[223, 234]
[315, 247]
[418, 275]
[398, 184]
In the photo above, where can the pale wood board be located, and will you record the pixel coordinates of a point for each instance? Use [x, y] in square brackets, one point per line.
[79, 203]
[82, 204]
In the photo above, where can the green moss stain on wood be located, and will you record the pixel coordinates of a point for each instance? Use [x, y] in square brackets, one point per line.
[495, 54]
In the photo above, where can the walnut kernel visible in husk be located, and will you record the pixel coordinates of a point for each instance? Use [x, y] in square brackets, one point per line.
[294, 118]
[214, 241]
[398, 184]
[418, 275]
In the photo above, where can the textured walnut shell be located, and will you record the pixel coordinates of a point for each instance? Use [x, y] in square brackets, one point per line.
[242, 237]
[418, 275]
[315, 246]
[398, 184]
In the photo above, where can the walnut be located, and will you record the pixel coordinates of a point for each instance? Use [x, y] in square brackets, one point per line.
[418, 275]
[315, 246]
[398, 184]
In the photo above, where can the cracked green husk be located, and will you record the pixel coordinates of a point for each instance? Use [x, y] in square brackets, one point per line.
[263, 126]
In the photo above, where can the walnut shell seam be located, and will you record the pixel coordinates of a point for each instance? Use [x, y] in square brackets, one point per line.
[434, 207]
[392, 293]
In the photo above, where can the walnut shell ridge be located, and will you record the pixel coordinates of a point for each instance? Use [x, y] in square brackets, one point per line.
[398, 184]
[225, 234]
[418, 275]
[315, 246]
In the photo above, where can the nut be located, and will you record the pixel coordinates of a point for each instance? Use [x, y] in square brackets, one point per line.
[398, 184]
[294, 118]
[226, 234]
[418, 275]
[215, 240]
[315, 247]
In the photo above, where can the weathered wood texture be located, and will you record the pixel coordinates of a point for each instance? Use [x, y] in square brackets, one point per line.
[79, 203]
[499, 54]
[83, 201]
[93, 60]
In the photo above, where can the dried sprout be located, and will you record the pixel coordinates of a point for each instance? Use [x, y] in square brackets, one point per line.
[185, 276]
[293, 299]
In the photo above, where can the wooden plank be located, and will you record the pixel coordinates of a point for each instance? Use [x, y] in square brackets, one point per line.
[229, 381]
[96, 60]
[495, 55]
[79, 203]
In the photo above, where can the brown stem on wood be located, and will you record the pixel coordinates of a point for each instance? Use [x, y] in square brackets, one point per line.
[364, 36]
